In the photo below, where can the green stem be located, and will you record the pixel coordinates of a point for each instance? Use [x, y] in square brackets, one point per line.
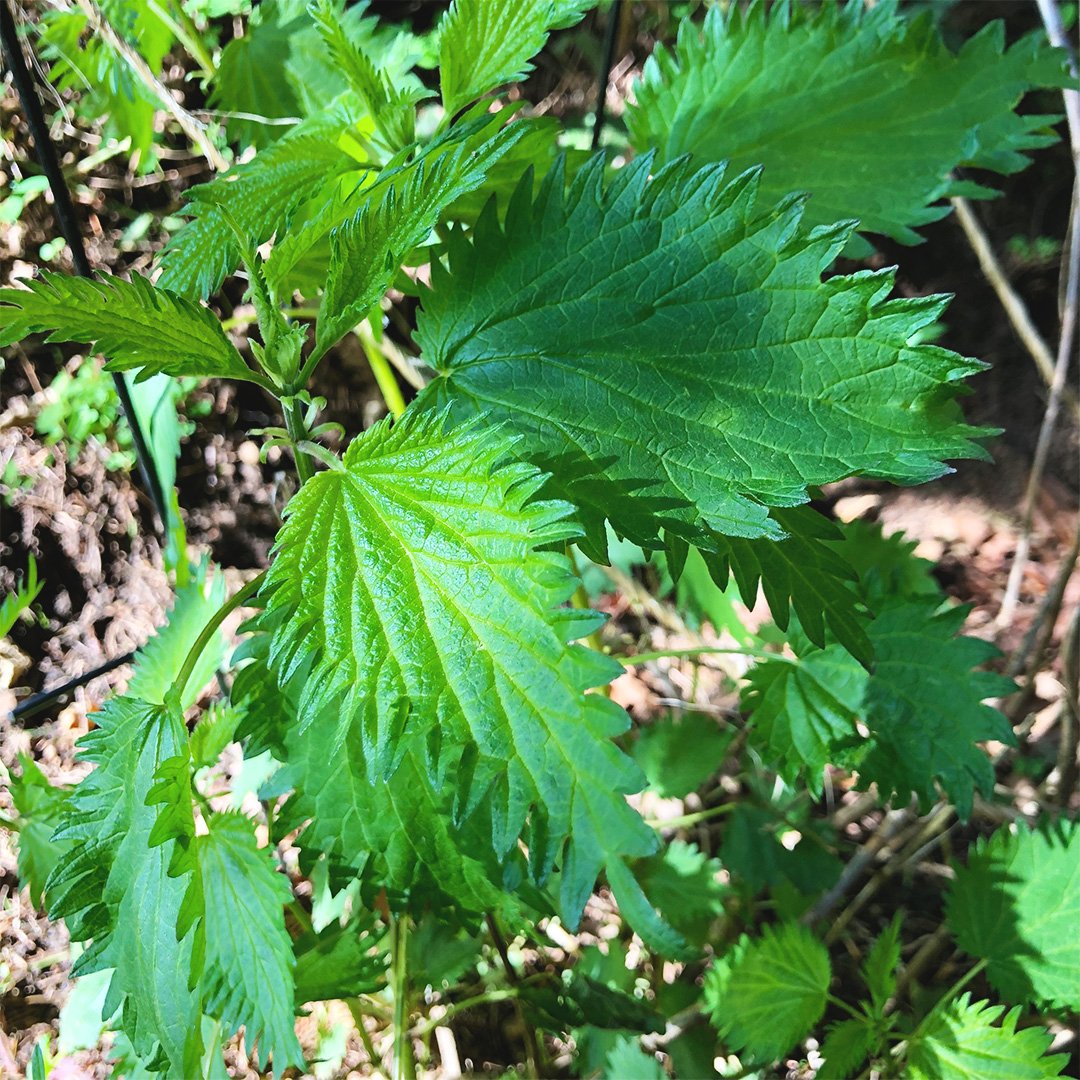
[945, 998]
[358, 1014]
[404, 1066]
[300, 914]
[309, 367]
[211, 628]
[187, 33]
[200, 52]
[213, 1046]
[700, 650]
[843, 1006]
[489, 997]
[298, 433]
[289, 313]
[533, 1047]
[686, 820]
[380, 368]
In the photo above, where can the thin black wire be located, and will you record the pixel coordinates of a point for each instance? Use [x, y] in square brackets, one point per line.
[69, 229]
[26, 710]
[608, 58]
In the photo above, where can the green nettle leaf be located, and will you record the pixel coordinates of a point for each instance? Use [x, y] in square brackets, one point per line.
[962, 1040]
[767, 993]
[684, 884]
[398, 214]
[399, 835]
[214, 731]
[136, 325]
[626, 1061]
[846, 1046]
[238, 896]
[681, 341]
[413, 575]
[805, 572]
[392, 109]
[803, 710]
[879, 970]
[866, 109]
[281, 68]
[661, 747]
[249, 74]
[40, 806]
[340, 962]
[1017, 905]
[581, 999]
[925, 710]
[261, 196]
[486, 43]
[102, 80]
[887, 566]
[116, 885]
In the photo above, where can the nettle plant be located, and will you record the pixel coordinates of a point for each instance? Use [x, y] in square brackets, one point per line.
[644, 354]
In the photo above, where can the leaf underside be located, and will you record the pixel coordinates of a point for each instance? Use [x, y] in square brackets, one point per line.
[925, 708]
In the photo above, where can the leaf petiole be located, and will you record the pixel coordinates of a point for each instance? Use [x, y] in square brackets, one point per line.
[700, 650]
[208, 631]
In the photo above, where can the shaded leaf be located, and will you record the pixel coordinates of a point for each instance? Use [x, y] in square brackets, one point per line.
[684, 884]
[887, 566]
[767, 993]
[879, 969]
[581, 999]
[678, 754]
[804, 710]
[1017, 905]
[338, 962]
[924, 707]
[804, 572]
[846, 1046]
[40, 806]
[866, 109]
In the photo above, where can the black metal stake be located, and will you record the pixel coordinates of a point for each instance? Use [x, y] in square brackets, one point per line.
[26, 710]
[611, 32]
[69, 229]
